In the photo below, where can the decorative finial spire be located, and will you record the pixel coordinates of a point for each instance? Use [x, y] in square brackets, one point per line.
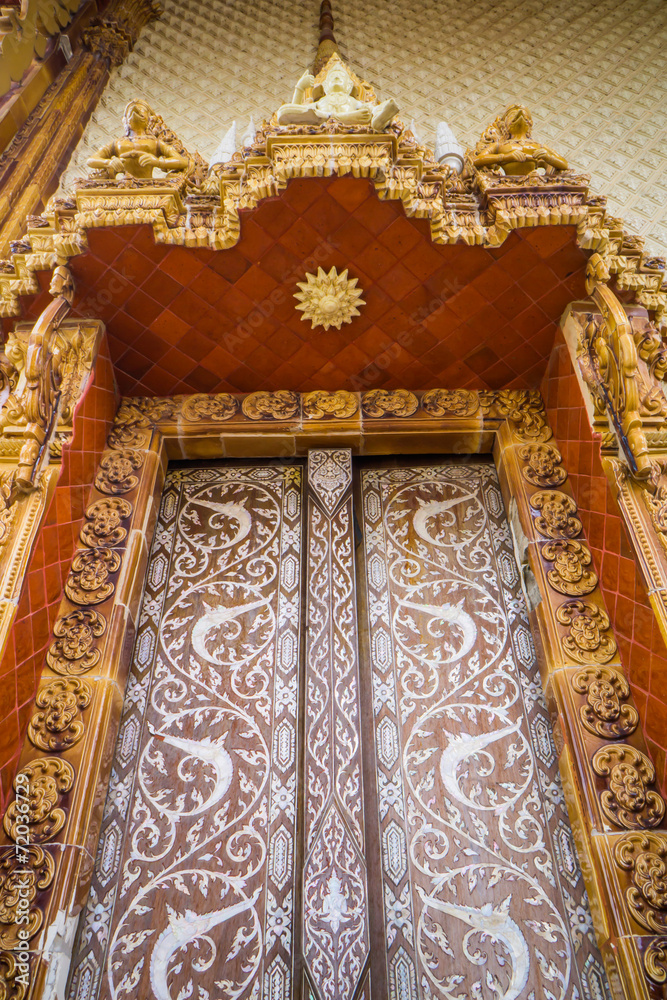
[327, 44]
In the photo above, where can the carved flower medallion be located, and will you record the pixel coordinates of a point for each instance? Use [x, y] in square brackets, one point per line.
[329, 299]
[46, 778]
[643, 855]
[557, 512]
[543, 465]
[587, 638]
[104, 522]
[569, 575]
[73, 649]
[627, 800]
[605, 713]
[58, 726]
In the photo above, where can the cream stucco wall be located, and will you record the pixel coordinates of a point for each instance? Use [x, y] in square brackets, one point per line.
[593, 72]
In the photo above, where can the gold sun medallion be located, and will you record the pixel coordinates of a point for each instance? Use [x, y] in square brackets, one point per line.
[329, 299]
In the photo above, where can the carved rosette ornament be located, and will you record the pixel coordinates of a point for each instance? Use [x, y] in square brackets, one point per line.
[655, 960]
[104, 522]
[586, 639]
[115, 474]
[605, 713]
[281, 405]
[58, 726]
[523, 408]
[569, 575]
[389, 403]
[627, 801]
[88, 581]
[47, 779]
[217, 407]
[328, 299]
[557, 512]
[73, 651]
[322, 404]
[543, 466]
[20, 881]
[643, 856]
[450, 403]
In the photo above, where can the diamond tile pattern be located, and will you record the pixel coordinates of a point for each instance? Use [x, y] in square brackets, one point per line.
[594, 76]
[209, 321]
[643, 650]
[43, 582]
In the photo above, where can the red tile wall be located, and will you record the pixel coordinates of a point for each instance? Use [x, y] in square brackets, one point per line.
[22, 660]
[642, 648]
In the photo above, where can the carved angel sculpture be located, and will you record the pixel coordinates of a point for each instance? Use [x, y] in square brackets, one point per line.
[139, 152]
[335, 100]
[508, 144]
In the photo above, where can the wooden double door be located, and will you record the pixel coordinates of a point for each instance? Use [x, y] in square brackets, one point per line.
[335, 776]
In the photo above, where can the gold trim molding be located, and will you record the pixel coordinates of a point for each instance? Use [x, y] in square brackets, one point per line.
[616, 811]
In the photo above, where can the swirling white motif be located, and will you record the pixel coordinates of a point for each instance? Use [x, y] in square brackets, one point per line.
[496, 924]
[210, 752]
[184, 929]
[461, 781]
[210, 819]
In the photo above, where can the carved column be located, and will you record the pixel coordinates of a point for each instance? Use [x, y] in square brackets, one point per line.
[31, 165]
[335, 906]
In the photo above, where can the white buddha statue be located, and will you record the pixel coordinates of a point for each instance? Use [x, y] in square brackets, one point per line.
[336, 101]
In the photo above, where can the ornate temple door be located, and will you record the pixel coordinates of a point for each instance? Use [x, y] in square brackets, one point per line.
[478, 892]
[333, 788]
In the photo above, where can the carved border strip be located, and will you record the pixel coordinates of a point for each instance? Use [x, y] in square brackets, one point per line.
[617, 815]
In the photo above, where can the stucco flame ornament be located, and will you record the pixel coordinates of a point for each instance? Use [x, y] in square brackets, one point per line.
[329, 299]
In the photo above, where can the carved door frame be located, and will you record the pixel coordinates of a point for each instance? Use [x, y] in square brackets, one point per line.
[622, 850]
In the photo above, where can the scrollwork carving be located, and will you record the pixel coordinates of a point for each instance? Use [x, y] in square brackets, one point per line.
[450, 402]
[281, 405]
[321, 404]
[58, 726]
[643, 856]
[586, 639]
[543, 465]
[115, 474]
[523, 408]
[202, 407]
[655, 960]
[627, 802]
[104, 522]
[569, 575]
[45, 779]
[10, 971]
[389, 403]
[21, 880]
[88, 581]
[604, 713]
[73, 650]
[557, 512]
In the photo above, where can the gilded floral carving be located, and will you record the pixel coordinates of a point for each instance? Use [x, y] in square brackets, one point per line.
[655, 960]
[389, 403]
[202, 407]
[605, 712]
[450, 402]
[10, 971]
[58, 725]
[523, 408]
[20, 880]
[643, 856]
[88, 581]
[73, 650]
[557, 512]
[115, 474]
[281, 405]
[543, 466]
[569, 574]
[320, 404]
[328, 299]
[46, 780]
[587, 638]
[627, 801]
[104, 522]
